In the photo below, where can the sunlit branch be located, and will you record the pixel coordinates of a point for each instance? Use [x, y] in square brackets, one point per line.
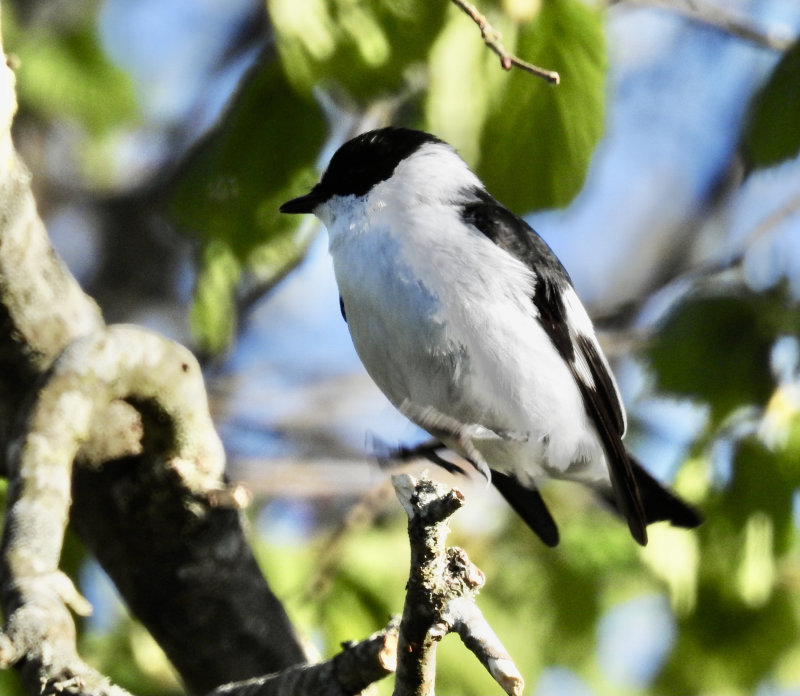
[350, 672]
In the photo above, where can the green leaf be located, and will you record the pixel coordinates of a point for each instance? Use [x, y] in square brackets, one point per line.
[772, 133]
[531, 142]
[364, 49]
[538, 138]
[729, 648]
[715, 349]
[462, 75]
[229, 193]
[63, 72]
[212, 317]
[747, 612]
[763, 482]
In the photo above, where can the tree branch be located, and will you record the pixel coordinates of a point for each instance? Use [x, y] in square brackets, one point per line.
[466, 619]
[146, 484]
[440, 594]
[118, 363]
[346, 674]
[492, 38]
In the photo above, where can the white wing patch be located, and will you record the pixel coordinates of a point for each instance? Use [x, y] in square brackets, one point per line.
[580, 327]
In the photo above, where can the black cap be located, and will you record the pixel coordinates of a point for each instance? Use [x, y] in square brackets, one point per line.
[361, 163]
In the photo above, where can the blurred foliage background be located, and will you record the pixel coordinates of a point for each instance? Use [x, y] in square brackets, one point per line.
[664, 171]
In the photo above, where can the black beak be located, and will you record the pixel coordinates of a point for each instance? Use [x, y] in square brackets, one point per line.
[304, 204]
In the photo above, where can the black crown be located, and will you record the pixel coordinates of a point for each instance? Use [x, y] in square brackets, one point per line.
[370, 158]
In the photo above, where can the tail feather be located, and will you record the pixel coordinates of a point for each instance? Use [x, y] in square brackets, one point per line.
[659, 503]
[529, 505]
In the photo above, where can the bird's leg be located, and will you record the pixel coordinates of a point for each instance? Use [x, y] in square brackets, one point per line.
[446, 428]
[426, 450]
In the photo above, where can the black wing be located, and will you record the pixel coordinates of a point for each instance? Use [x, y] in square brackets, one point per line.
[579, 349]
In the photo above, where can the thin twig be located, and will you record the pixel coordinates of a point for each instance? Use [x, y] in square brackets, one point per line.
[775, 218]
[720, 19]
[492, 39]
[467, 620]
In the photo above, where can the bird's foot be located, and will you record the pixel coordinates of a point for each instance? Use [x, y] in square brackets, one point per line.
[462, 435]
[391, 456]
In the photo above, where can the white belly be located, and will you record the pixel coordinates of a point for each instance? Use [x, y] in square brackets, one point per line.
[470, 347]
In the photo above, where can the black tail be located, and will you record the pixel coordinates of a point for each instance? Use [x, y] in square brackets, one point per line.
[528, 504]
[660, 504]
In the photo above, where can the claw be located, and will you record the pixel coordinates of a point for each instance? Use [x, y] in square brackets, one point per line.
[446, 428]
[388, 456]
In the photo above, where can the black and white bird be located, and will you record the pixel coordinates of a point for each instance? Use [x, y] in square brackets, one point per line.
[469, 324]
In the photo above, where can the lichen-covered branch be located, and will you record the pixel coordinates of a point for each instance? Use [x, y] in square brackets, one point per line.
[464, 618]
[42, 307]
[115, 436]
[117, 363]
[440, 595]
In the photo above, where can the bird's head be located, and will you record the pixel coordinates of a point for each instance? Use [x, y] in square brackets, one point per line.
[404, 163]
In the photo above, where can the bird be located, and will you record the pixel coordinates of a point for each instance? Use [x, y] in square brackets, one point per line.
[467, 321]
